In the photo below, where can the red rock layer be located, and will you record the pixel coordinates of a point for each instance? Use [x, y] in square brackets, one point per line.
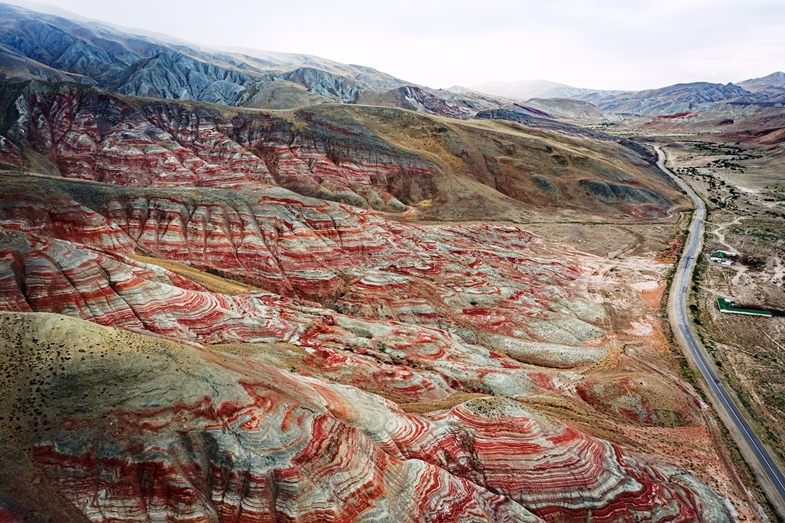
[551, 469]
[61, 217]
[132, 427]
[557, 472]
[403, 361]
[95, 136]
[265, 449]
[259, 453]
[473, 275]
[9, 153]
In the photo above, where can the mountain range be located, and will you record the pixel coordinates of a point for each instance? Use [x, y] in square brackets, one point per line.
[526, 89]
[694, 96]
[53, 48]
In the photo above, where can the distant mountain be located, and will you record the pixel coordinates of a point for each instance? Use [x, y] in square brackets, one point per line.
[54, 48]
[143, 66]
[566, 108]
[689, 97]
[524, 90]
[772, 81]
[768, 89]
[560, 100]
[50, 47]
[279, 61]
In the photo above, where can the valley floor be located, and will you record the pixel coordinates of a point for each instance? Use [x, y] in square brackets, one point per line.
[746, 219]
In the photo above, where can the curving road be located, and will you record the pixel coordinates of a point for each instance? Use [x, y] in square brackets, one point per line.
[679, 317]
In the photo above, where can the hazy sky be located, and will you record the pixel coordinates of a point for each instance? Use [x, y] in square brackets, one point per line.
[610, 44]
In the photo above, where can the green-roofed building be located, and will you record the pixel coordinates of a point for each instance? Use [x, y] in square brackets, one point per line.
[729, 306]
[723, 258]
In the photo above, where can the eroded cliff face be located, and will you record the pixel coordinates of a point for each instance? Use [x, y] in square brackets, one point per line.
[95, 136]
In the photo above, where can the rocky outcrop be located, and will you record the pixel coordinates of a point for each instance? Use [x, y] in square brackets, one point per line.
[446, 277]
[355, 262]
[9, 154]
[175, 75]
[61, 217]
[273, 446]
[90, 135]
[331, 87]
[576, 110]
[421, 100]
[523, 116]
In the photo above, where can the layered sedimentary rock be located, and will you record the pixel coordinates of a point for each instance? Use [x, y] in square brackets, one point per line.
[47, 215]
[94, 136]
[426, 313]
[274, 446]
[54, 275]
[9, 153]
[418, 99]
[355, 156]
[472, 276]
[463, 453]
[193, 332]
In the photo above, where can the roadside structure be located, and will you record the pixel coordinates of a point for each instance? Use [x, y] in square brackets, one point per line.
[729, 306]
[723, 258]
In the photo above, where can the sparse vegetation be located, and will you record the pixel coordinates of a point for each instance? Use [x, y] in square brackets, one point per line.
[748, 351]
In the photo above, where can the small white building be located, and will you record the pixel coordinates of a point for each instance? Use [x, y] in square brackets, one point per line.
[723, 258]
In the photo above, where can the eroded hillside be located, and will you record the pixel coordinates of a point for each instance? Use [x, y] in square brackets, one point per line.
[258, 317]
[379, 158]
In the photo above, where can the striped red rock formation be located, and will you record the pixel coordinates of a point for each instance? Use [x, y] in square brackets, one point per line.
[277, 402]
[549, 468]
[95, 136]
[110, 289]
[64, 218]
[98, 137]
[277, 446]
[266, 449]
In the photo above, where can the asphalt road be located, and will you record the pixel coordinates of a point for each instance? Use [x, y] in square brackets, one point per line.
[680, 323]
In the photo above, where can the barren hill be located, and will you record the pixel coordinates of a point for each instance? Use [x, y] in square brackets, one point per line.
[255, 327]
[379, 158]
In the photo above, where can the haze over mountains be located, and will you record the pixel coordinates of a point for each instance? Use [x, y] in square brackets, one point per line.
[524, 90]
[48, 47]
[256, 286]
